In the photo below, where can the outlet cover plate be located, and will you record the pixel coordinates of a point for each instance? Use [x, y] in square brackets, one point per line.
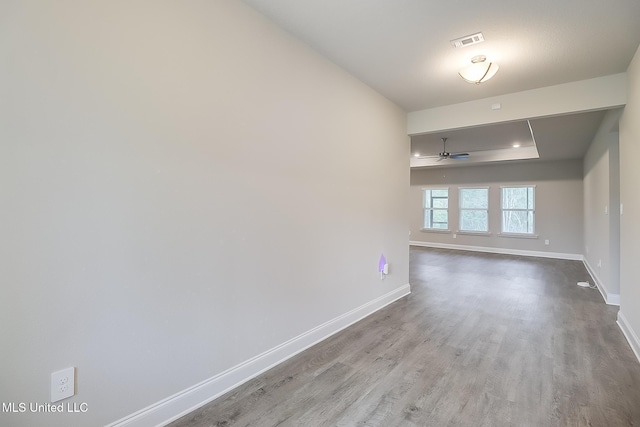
[63, 384]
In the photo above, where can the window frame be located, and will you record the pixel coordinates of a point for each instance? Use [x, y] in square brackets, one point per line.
[432, 209]
[503, 233]
[461, 209]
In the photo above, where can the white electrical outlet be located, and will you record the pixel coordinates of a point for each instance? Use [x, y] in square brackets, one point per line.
[599, 263]
[546, 242]
[63, 384]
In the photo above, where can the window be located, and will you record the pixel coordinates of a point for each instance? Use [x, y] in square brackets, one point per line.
[474, 210]
[518, 210]
[436, 205]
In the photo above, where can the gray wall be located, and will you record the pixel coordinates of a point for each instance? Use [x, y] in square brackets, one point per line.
[183, 187]
[601, 206]
[559, 209]
[630, 198]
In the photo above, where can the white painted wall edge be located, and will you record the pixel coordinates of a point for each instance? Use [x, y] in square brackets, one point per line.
[585, 95]
[504, 251]
[180, 404]
[629, 334]
[609, 298]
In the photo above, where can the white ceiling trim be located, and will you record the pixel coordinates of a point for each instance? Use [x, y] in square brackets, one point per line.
[600, 93]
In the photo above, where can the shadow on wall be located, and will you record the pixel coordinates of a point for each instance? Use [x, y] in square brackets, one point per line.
[608, 129]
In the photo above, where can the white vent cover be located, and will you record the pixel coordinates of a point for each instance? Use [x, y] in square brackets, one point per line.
[468, 40]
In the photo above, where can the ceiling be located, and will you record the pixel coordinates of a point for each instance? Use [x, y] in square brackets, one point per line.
[548, 138]
[402, 48]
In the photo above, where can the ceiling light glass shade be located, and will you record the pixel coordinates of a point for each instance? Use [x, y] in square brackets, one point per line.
[479, 71]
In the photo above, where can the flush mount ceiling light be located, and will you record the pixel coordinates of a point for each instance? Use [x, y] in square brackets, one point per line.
[479, 71]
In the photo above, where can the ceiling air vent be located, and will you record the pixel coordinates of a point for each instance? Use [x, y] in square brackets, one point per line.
[468, 40]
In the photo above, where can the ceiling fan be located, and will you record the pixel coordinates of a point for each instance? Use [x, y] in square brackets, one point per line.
[446, 155]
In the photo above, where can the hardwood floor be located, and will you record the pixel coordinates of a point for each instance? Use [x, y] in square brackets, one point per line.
[483, 340]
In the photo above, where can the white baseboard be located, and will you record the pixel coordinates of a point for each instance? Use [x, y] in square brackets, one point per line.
[609, 298]
[180, 404]
[629, 334]
[504, 251]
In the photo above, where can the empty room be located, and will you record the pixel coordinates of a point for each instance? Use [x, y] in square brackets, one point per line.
[319, 213]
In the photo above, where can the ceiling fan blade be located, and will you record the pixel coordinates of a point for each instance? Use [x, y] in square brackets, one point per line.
[460, 156]
[440, 158]
[428, 157]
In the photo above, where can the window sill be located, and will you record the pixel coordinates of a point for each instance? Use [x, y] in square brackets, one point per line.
[474, 233]
[434, 230]
[518, 235]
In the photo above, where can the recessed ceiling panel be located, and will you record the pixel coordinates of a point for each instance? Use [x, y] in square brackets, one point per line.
[497, 142]
[567, 136]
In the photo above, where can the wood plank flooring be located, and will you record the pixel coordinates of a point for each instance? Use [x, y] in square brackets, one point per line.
[483, 340]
